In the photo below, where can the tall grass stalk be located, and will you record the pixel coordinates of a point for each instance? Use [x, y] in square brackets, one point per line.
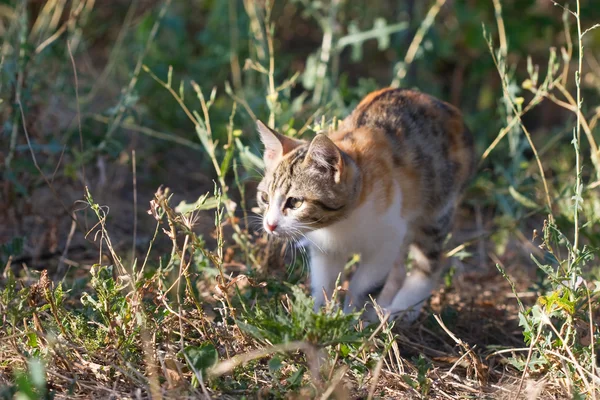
[499, 62]
[122, 106]
[564, 304]
[188, 320]
[577, 140]
[328, 24]
[403, 67]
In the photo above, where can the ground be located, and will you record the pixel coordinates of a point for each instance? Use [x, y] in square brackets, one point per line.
[116, 281]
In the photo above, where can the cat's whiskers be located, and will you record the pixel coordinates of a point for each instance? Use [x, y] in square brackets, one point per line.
[256, 222]
[310, 224]
[299, 247]
[294, 254]
[290, 240]
[259, 172]
[313, 243]
[304, 255]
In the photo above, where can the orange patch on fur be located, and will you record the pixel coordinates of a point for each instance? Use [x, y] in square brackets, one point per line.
[369, 98]
[371, 152]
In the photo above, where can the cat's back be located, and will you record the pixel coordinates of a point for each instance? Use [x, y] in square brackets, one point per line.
[417, 121]
[426, 139]
[387, 105]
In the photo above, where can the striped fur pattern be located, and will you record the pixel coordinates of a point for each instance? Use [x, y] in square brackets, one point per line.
[385, 183]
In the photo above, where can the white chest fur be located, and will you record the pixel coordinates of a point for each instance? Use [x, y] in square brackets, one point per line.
[367, 230]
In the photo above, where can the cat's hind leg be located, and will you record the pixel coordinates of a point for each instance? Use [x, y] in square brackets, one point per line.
[426, 251]
[370, 277]
[393, 283]
[395, 278]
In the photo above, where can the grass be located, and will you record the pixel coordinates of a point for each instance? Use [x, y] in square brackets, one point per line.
[110, 287]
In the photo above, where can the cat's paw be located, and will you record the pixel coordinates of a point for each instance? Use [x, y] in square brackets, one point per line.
[369, 315]
[374, 313]
[401, 318]
[405, 318]
[409, 300]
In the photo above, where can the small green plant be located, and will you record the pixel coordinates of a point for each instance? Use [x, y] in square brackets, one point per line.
[559, 329]
[293, 319]
[30, 384]
[183, 302]
[422, 383]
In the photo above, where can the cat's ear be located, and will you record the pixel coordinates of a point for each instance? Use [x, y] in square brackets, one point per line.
[325, 156]
[276, 145]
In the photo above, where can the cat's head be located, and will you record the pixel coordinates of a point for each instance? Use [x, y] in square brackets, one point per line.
[307, 185]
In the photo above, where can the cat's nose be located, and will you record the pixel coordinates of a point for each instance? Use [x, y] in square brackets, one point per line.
[271, 227]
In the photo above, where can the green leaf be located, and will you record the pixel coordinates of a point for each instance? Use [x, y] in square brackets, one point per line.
[227, 159]
[296, 378]
[32, 340]
[309, 76]
[527, 329]
[250, 329]
[249, 160]
[203, 203]
[521, 199]
[410, 381]
[537, 314]
[344, 350]
[26, 390]
[548, 270]
[275, 364]
[201, 357]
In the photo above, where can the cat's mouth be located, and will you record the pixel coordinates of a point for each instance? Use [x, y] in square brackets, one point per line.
[283, 234]
[296, 234]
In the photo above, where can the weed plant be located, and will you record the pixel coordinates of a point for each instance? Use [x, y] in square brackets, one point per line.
[176, 293]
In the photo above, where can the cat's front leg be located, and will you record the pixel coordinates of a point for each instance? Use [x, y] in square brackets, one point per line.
[325, 268]
[370, 277]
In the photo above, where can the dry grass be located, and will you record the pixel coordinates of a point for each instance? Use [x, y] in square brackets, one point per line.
[189, 301]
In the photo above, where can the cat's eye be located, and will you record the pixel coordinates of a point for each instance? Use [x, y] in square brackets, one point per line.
[294, 203]
[264, 197]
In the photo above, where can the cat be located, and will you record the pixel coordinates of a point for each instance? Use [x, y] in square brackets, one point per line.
[387, 181]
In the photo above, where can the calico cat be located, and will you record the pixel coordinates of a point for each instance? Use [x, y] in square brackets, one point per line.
[388, 180]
